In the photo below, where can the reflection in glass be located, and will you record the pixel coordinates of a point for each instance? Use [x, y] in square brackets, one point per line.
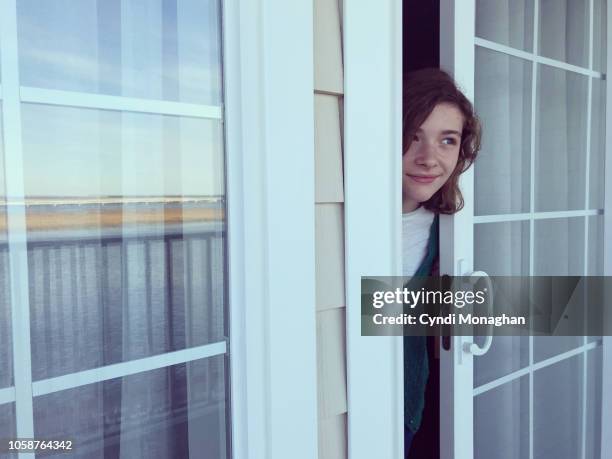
[508, 22]
[6, 346]
[506, 355]
[564, 31]
[126, 235]
[558, 251]
[596, 244]
[600, 16]
[503, 99]
[7, 426]
[545, 347]
[557, 410]
[158, 49]
[560, 159]
[594, 403]
[598, 145]
[559, 247]
[174, 412]
[502, 249]
[501, 422]
[6, 340]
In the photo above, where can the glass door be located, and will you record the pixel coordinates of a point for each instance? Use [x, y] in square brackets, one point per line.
[113, 260]
[535, 70]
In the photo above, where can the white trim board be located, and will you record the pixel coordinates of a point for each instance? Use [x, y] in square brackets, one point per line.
[268, 54]
[372, 164]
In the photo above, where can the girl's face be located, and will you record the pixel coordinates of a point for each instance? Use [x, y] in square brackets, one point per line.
[432, 155]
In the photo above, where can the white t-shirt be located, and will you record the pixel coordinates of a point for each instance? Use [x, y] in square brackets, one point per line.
[415, 236]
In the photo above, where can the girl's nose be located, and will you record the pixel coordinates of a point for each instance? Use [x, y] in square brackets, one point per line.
[426, 155]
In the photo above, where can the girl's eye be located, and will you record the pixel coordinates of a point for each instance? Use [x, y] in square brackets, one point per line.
[449, 141]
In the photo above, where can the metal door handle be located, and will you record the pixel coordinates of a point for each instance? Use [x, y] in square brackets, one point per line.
[474, 348]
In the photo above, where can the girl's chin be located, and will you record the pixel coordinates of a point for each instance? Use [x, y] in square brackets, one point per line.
[422, 197]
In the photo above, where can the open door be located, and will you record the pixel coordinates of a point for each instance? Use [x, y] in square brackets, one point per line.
[538, 202]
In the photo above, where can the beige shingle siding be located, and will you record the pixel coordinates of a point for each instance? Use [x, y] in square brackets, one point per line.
[329, 255]
[332, 437]
[329, 230]
[328, 75]
[331, 362]
[328, 149]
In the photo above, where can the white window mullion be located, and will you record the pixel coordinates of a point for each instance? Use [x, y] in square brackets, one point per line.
[119, 103]
[242, 448]
[372, 123]
[536, 366]
[533, 57]
[131, 367]
[534, 94]
[16, 222]
[546, 215]
[585, 359]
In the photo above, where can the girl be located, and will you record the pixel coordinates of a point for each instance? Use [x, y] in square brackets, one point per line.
[441, 137]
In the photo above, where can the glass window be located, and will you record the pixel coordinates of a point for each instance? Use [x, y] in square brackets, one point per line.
[560, 162]
[6, 347]
[174, 412]
[167, 50]
[125, 235]
[564, 31]
[508, 22]
[600, 40]
[7, 424]
[122, 207]
[503, 99]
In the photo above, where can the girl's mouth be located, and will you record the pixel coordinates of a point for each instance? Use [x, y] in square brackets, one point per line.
[423, 178]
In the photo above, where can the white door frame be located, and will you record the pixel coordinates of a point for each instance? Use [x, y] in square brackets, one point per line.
[268, 76]
[606, 409]
[372, 192]
[457, 29]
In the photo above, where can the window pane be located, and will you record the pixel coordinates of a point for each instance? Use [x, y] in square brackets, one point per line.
[508, 22]
[6, 340]
[600, 35]
[559, 247]
[558, 251]
[596, 245]
[506, 355]
[174, 412]
[502, 249]
[126, 235]
[501, 422]
[564, 30]
[167, 50]
[594, 403]
[598, 145]
[503, 100]
[7, 425]
[560, 160]
[557, 408]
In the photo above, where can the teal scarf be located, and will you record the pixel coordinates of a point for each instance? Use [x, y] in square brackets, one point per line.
[416, 365]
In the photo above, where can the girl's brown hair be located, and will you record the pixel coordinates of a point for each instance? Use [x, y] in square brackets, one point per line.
[423, 90]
